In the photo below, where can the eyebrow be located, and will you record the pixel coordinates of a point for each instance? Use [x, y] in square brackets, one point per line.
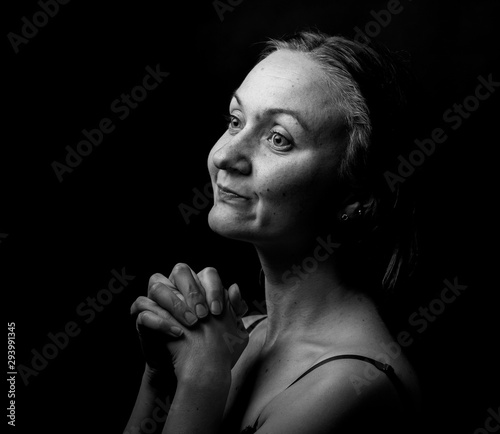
[277, 110]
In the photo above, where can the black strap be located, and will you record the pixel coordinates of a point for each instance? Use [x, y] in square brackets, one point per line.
[384, 367]
[250, 429]
[254, 324]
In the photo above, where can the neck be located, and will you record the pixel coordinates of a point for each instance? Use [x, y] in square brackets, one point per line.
[305, 292]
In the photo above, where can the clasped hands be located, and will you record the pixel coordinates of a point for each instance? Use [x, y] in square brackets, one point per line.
[190, 322]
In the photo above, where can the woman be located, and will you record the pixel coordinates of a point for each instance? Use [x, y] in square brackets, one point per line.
[301, 174]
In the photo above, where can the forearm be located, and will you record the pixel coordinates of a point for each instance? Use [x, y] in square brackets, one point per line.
[152, 405]
[198, 406]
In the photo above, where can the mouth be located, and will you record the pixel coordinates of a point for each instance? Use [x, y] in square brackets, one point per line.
[227, 193]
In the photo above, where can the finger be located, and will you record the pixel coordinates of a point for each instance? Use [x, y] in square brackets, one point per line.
[236, 318]
[183, 279]
[198, 282]
[158, 277]
[152, 321]
[239, 305]
[164, 296]
[214, 291]
[146, 304]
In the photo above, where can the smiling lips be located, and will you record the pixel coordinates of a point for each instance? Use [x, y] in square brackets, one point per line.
[227, 193]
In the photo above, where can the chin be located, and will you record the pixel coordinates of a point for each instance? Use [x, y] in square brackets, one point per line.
[228, 226]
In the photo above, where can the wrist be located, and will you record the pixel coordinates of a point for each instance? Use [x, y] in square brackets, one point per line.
[204, 396]
[206, 377]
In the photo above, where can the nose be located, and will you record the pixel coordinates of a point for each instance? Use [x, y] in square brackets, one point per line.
[234, 154]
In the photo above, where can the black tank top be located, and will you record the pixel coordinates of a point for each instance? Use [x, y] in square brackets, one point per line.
[384, 367]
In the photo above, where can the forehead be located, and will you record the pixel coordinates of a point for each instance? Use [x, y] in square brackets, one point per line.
[293, 81]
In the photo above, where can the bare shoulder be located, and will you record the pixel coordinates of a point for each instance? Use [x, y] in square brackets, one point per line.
[343, 395]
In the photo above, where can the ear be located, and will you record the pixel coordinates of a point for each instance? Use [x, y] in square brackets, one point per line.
[355, 207]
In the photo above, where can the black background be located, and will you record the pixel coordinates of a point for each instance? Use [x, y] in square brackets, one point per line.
[119, 207]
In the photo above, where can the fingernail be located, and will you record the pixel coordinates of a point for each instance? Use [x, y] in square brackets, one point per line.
[176, 330]
[190, 317]
[216, 307]
[201, 310]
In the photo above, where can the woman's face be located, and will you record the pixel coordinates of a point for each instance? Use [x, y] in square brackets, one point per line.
[273, 170]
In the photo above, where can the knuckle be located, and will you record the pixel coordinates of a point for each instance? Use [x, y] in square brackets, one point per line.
[207, 271]
[177, 303]
[155, 289]
[138, 304]
[193, 294]
[141, 301]
[212, 284]
[162, 324]
[154, 278]
[142, 315]
[180, 267]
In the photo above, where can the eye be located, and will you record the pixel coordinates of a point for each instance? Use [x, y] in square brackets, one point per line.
[233, 123]
[279, 140]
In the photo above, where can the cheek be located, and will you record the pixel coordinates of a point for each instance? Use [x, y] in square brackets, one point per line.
[293, 191]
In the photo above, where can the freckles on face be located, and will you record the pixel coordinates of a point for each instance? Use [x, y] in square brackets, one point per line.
[292, 193]
[279, 150]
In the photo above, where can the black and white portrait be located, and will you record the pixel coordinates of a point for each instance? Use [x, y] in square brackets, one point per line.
[240, 216]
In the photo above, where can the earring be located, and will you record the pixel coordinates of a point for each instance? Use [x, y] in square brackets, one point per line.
[344, 217]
